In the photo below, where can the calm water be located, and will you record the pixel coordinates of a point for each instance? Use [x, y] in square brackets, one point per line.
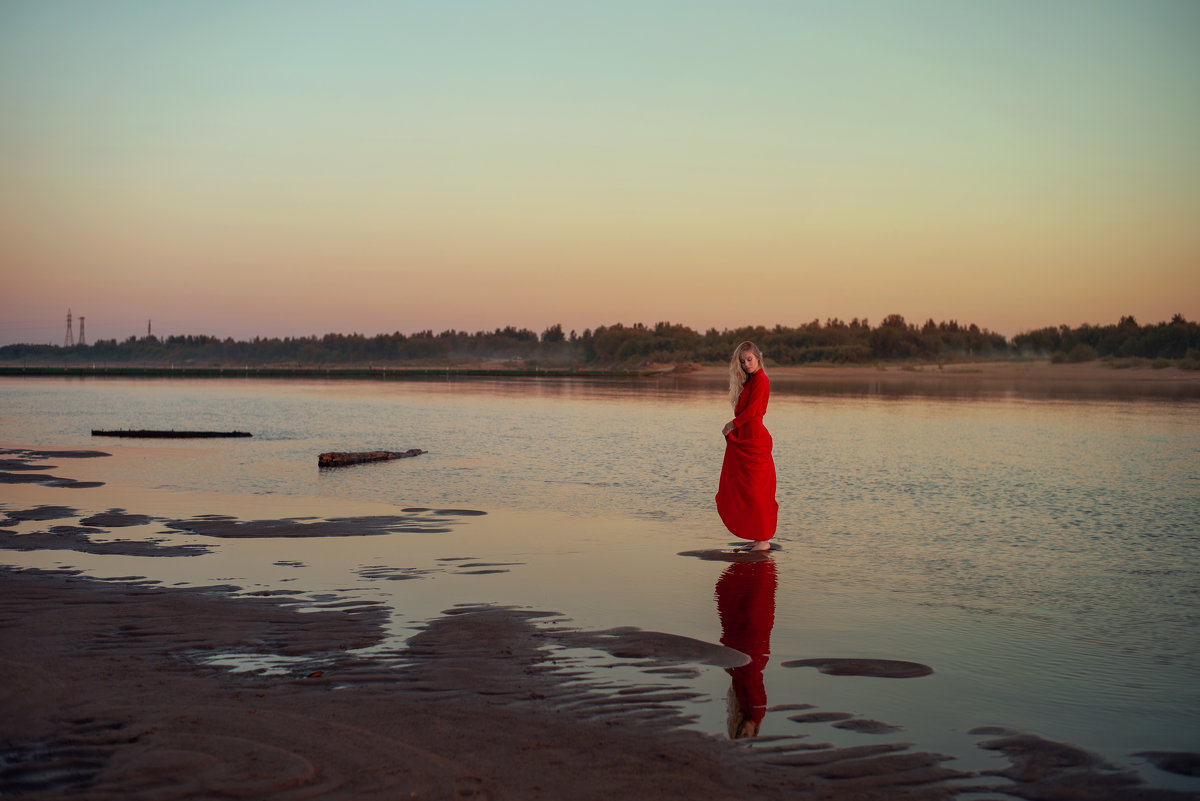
[1040, 553]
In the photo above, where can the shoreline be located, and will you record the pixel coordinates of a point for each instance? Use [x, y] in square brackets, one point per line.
[1024, 371]
[346, 373]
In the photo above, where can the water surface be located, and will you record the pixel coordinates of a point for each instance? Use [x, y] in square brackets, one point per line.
[1040, 553]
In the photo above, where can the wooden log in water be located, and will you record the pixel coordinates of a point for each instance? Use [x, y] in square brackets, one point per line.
[171, 434]
[339, 459]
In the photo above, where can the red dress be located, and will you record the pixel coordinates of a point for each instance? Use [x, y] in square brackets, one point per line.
[746, 494]
[746, 606]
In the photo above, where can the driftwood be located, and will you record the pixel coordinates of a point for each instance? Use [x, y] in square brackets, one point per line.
[172, 434]
[336, 459]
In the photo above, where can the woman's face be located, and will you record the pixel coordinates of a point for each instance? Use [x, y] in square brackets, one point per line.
[748, 361]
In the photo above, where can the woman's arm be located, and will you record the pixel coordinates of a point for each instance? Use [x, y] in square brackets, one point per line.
[756, 403]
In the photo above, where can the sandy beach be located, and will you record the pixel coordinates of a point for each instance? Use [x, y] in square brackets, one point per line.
[100, 702]
[103, 699]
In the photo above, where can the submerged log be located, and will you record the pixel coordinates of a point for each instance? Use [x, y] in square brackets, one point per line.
[337, 459]
[171, 434]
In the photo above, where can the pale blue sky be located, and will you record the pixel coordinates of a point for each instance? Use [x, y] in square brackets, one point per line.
[372, 166]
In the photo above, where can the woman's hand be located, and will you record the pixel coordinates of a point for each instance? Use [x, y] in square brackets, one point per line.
[728, 427]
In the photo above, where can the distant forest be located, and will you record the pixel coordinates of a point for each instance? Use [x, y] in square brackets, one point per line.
[618, 345]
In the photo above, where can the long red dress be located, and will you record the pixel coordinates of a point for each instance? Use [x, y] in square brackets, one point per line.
[746, 605]
[746, 494]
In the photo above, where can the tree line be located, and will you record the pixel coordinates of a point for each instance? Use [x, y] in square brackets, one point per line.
[831, 342]
[1177, 339]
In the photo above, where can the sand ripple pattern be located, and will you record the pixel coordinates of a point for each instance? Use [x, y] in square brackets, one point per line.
[481, 703]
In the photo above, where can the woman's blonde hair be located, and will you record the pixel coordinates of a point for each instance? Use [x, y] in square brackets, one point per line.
[737, 723]
[737, 376]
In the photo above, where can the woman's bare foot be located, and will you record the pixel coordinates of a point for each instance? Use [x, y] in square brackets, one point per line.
[761, 545]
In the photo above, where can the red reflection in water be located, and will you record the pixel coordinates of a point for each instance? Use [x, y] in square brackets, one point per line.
[746, 604]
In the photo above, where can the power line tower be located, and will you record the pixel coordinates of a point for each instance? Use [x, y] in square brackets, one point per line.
[70, 340]
[82, 338]
[149, 332]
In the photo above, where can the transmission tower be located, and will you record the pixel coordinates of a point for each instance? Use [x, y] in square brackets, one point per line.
[149, 332]
[82, 338]
[70, 340]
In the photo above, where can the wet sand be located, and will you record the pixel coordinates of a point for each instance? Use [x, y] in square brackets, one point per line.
[103, 697]
[108, 691]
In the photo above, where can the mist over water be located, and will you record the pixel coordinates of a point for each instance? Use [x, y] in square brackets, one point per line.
[1040, 553]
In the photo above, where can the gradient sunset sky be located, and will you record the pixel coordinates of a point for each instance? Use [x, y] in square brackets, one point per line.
[286, 168]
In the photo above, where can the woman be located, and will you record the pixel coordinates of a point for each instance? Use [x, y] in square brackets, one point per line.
[746, 494]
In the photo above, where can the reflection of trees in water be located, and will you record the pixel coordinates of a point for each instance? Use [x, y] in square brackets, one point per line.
[746, 605]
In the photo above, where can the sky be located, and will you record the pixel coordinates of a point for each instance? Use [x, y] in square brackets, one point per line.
[289, 167]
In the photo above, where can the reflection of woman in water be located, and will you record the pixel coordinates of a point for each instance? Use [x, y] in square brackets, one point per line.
[746, 605]
[746, 494]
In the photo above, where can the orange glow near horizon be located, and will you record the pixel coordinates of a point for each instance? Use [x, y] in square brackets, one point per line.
[452, 169]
